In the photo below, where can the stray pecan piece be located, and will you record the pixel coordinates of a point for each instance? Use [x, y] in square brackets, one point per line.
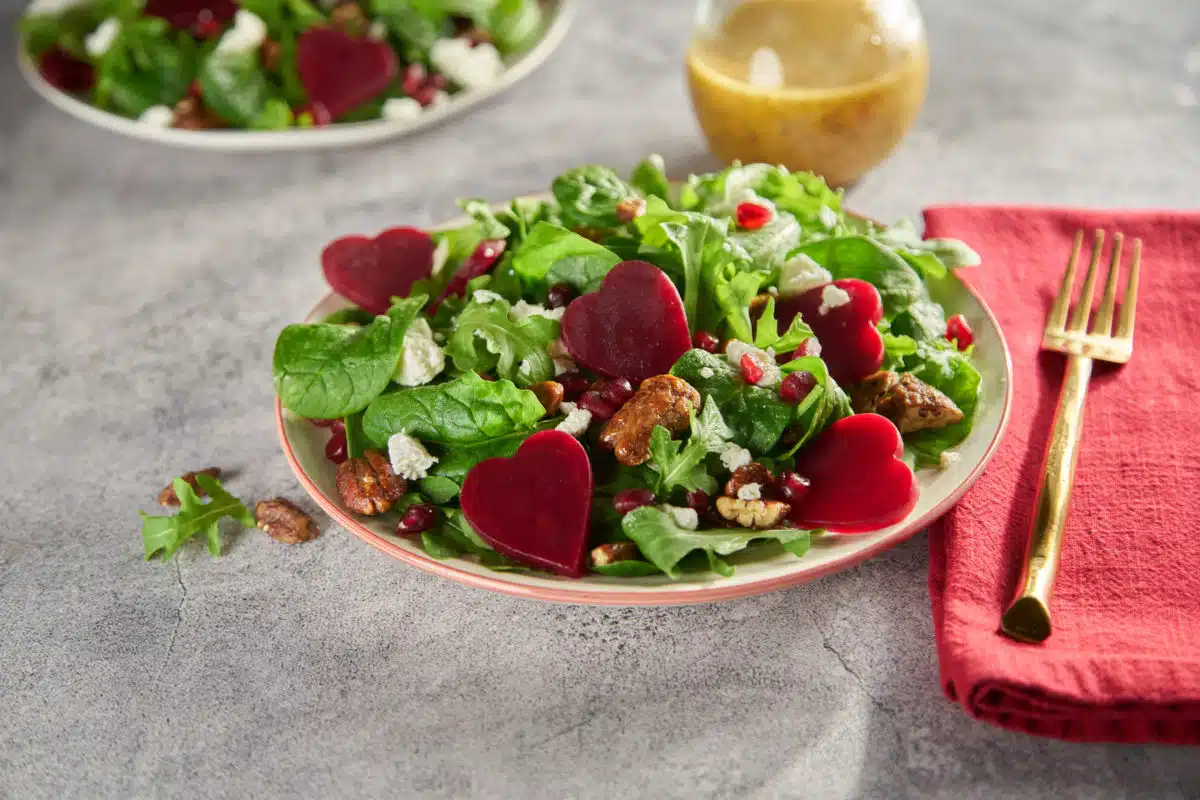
[631, 209]
[662, 400]
[167, 496]
[906, 400]
[367, 484]
[759, 514]
[549, 394]
[754, 474]
[607, 554]
[282, 521]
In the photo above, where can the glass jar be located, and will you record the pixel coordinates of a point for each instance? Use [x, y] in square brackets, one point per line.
[829, 86]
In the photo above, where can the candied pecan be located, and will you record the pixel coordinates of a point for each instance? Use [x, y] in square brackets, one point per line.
[549, 394]
[631, 209]
[167, 496]
[367, 484]
[759, 304]
[281, 520]
[594, 234]
[349, 18]
[192, 115]
[612, 553]
[662, 400]
[269, 53]
[906, 400]
[753, 513]
[753, 472]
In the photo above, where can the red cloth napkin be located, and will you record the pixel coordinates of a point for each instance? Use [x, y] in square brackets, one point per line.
[1123, 663]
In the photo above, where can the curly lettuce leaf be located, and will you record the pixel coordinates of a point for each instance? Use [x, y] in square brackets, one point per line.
[588, 197]
[485, 339]
[552, 254]
[166, 534]
[650, 178]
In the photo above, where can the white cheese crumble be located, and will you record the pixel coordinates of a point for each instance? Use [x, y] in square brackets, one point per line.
[801, 273]
[440, 98]
[657, 162]
[734, 456]
[98, 42]
[828, 217]
[562, 359]
[751, 491]
[401, 109]
[576, 422]
[706, 372]
[832, 297]
[947, 459]
[158, 117]
[523, 310]
[765, 359]
[247, 33]
[485, 296]
[766, 70]
[439, 337]
[377, 30]
[442, 251]
[686, 518]
[422, 359]
[410, 460]
[566, 406]
[467, 66]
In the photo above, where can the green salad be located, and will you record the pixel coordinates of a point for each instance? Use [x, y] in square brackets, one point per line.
[634, 377]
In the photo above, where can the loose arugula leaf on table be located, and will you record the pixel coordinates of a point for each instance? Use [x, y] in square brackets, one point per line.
[552, 254]
[485, 339]
[588, 197]
[942, 366]
[236, 86]
[465, 411]
[650, 178]
[325, 371]
[167, 534]
[664, 543]
[681, 465]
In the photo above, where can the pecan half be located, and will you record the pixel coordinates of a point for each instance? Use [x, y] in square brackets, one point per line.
[549, 394]
[367, 484]
[753, 472]
[631, 209]
[753, 513]
[612, 553]
[167, 496]
[906, 400]
[192, 115]
[281, 520]
[662, 400]
[269, 54]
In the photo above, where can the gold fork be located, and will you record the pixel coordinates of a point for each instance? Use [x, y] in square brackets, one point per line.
[1028, 617]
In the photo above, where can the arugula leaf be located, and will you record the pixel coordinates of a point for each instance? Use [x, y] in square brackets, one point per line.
[455, 538]
[522, 215]
[328, 371]
[942, 366]
[682, 465]
[486, 339]
[465, 411]
[480, 211]
[929, 257]
[588, 197]
[167, 534]
[650, 178]
[236, 86]
[767, 331]
[552, 254]
[456, 462]
[733, 292]
[824, 404]
[664, 543]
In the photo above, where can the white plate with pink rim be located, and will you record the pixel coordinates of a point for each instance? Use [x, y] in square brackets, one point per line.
[758, 569]
[350, 134]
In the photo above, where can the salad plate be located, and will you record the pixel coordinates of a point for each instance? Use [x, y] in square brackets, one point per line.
[278, 128]
[947, 465]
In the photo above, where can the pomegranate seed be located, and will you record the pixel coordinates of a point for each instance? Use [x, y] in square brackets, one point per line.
[791, 487]
[413, 79]
[752, 371]
[959, 332]
[486, 254]
[706, 341]
[424, 95]
[337, 423]
[600, 410]
[206, 26]
[319, 113]
[797, 386]
[487, 377]
[752, 216]
[335, 448]
[627, 500]
[438, 81]
[559, 296]
[617, 391]
[416, 519]
[698, 501]
[573, 384]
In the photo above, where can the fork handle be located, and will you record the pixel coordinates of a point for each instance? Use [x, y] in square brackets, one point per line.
[1028, 616]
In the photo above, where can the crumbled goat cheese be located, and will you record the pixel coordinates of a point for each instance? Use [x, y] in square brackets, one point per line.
[706, 372]
[734, 456]
[948, 458]
[576, 422]
[158, 117]
[485, 296]
[751, 491]
[765, 359]
[686, 518]
[410, 460]
[801, 273]
[467, 66]
[404, 108]
[523, 310]
[377, 30]
[422, 359]
[247, 33]
[832, 297]
[98, 42]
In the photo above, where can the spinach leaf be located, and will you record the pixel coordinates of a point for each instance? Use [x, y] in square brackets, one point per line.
[588, 197]
[650, 178]
[489, 226]
[416, 24]
[328, 371]
[485, 339]
[356, 440]
[552, 254]
[456, 462]
[145, 66]
[465, 411]
[756, 416]
[627, 569]
[942, 366]
[681, 465]
[66, 28]
[440, 490]
[664, 543]
[235, 86]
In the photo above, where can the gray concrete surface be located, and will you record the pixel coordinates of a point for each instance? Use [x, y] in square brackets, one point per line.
[141, 289]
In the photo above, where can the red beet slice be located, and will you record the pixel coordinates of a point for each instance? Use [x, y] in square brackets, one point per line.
[370, 272]
[858, 482]
[634, 327]
[534, 507]
[850, 343]
[480, 262]
[185, 14]
[65, 72]
[341, 72]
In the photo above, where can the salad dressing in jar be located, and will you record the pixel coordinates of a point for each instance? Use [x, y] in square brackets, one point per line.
[829, 86]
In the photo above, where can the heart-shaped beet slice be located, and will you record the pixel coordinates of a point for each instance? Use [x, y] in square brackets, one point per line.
[534, 507]
[185, 14]
[858, 481]
[634, 327]
[480, 262]
[65, 72]
[850, 343]
[370, 272]
[341, 72]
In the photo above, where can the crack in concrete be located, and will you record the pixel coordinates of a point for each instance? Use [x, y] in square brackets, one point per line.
[178, 619]
[559, 734]
[862, 684]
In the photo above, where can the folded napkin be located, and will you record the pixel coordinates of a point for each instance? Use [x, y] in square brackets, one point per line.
[1123, 663]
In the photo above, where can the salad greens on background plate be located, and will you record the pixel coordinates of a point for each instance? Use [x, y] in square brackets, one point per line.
[631, 391]
[263, 75]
